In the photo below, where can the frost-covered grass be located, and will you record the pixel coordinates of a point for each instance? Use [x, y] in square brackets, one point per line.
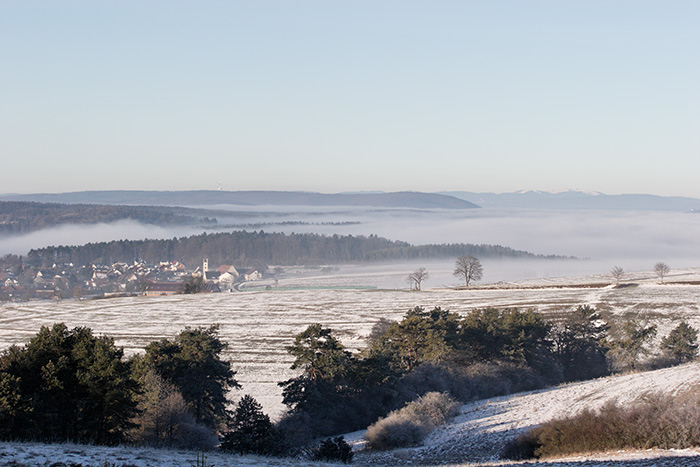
[258, 325]
[39, 455]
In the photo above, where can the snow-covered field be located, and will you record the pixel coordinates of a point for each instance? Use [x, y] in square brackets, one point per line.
[258, 325]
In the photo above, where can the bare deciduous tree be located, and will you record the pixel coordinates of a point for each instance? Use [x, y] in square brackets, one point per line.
[469, 268]
[661, 269]
[617, 272]
[416, 278]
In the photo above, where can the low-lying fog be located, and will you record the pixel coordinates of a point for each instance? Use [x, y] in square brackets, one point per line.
[634, 240]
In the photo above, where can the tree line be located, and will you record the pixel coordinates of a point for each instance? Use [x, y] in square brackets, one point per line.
[450, 250]
[244, 248]
[70, 385]
[486, 353]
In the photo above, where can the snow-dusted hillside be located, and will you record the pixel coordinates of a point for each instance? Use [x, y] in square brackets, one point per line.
[475, 437]
[483, 427]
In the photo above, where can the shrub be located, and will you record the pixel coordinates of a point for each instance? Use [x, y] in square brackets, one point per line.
[434, 407]
[296, 430]
[410, 425]
[523, 447]
[333, 449]
[395, 431]
[652, 422]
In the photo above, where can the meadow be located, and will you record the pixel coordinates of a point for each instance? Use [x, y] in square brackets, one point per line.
[259, 324]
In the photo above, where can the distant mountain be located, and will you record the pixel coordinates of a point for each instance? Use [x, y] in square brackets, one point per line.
[578, 200]
[404, 199]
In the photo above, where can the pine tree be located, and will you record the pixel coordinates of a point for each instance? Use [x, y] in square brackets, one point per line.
[250, 430]
[682, 343]
[192, 362]
[66, 384]
[578, 344]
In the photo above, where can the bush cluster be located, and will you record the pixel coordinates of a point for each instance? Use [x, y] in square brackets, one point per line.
[333, 449]
[410, 425]
[654, 421]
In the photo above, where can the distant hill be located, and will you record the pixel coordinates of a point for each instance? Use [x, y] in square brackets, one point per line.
[404, 199]
[578, 200]
[21, 217]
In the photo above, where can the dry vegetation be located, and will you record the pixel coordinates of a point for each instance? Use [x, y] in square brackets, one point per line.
[653, 421]
[410, 425]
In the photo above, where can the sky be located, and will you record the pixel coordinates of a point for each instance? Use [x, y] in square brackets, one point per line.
[332, 96]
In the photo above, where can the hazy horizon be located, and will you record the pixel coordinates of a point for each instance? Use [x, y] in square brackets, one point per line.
[378, 190]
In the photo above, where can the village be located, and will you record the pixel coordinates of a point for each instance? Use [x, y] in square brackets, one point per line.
[21, 282]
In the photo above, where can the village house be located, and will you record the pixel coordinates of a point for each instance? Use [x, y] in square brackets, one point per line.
[228, 276]
[163, 288]
[252, 275]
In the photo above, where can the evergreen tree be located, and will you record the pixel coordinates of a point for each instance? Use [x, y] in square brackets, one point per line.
[66, 385]
[681, 343]
[579, 344]
[192, 362]
[626, 351]
[250, 430]
[324, 363]
[508, 334]
[420, 337]
[330, 391]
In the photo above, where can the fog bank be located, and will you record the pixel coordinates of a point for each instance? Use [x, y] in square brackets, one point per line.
[634, 240]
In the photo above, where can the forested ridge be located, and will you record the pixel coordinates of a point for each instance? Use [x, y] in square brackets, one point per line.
[18, 217]
[243, 247]
[450, 250]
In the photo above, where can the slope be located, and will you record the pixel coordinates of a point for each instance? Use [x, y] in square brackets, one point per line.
[482, 428]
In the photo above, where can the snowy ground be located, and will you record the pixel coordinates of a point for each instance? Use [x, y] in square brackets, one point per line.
[258, 325]
[474, 437]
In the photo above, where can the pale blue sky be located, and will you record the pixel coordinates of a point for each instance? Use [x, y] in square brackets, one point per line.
[355, 95]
